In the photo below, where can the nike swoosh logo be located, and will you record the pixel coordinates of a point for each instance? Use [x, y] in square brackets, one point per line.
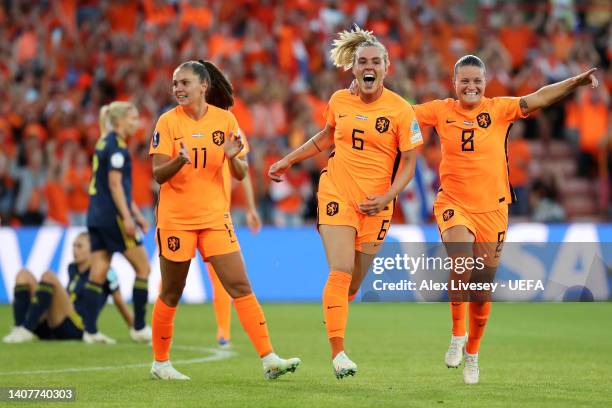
[177, 138]
[262, 323]
[166, 338]
[331, 307]
[450, 121]
[341, 116]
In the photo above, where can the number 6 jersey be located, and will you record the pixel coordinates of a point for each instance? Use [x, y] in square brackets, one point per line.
[368, 138]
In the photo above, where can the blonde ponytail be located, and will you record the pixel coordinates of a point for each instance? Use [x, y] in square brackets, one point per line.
[104, 126]
[109, 114]
[346, 45]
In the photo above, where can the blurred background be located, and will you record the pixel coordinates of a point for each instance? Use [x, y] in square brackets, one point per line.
[60, 61]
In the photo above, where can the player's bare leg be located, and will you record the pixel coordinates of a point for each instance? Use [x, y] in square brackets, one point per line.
[61, 306]
[363, 260]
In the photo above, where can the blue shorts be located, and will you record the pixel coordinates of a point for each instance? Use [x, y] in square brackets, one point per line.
[67, 330]
[112, 238]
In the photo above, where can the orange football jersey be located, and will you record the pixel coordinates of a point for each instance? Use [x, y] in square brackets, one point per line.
[368, 139]
[196, 196]
[474, 166]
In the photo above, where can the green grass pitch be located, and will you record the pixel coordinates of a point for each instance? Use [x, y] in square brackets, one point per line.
[543, 354]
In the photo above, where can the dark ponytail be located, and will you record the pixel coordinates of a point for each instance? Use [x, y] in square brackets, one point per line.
[220, 91]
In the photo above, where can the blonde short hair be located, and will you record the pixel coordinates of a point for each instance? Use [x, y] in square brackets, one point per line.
[346, 45]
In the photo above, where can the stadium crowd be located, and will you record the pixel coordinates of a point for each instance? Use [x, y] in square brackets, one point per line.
[60, 61]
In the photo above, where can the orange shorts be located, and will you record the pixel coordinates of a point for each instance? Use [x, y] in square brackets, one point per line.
[489, 228]
[180, 245]
[333, 210]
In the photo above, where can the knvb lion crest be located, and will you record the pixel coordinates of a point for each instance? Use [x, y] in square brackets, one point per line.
[174, 243]
[382, 124]
[332, 208]
[484, 120]
[448, 214]
[218, 137]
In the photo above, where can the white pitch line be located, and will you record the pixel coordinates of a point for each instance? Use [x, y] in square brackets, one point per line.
[217, 355]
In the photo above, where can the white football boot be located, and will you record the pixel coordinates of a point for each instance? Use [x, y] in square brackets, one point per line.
[98, 337]
[19, 334]
[471, 373]
[165, 371]
[343, 366]
[454, 355]
[274, 366]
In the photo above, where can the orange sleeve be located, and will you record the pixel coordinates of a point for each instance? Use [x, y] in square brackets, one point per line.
[426, 113]
[161, 142]
[330, 114]
[408, 131]
[508, 108]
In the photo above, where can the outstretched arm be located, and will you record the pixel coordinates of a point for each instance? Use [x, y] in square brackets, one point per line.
[550, 94]
[313, 146]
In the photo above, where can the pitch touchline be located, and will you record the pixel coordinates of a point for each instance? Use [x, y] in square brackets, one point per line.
[217, 355]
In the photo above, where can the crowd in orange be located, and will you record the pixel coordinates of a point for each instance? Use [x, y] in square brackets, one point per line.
[62, 60]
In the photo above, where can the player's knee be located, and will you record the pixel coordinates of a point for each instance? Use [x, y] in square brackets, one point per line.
[239, 289]
[24, 276]
[170, 298]
[49, 277]
[171, 294]
[346, 267]
[143, 272]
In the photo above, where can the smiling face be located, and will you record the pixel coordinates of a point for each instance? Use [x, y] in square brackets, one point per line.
[470, 83]
[370, 70]
[187, 87]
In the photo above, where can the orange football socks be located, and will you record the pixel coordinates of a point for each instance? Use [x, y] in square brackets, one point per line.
[479, 314]
[254, 323]
[335, 308]
[163, 326]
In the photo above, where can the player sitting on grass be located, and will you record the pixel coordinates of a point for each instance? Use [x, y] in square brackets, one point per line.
[48, 311]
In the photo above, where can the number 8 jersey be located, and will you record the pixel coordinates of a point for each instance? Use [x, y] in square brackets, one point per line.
[195, 197]
[474, 167]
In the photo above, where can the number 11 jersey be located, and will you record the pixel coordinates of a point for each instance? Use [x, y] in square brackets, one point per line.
[194, 198]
